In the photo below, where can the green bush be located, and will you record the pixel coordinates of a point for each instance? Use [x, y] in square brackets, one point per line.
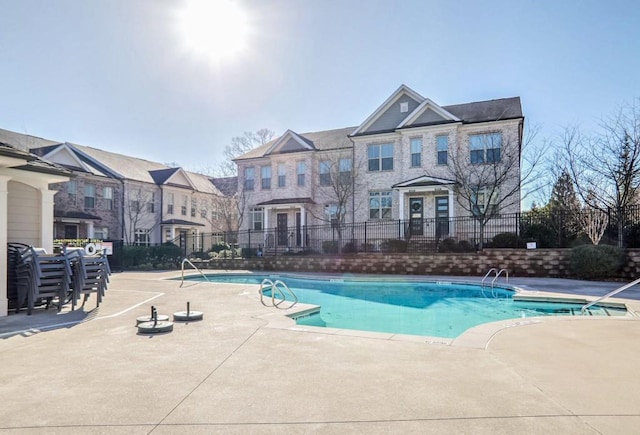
[448, 245]
[632, 236]
[543, 234]
[330, 247]
[151, 257]
[596, 261]
[220, 247]
[507, 240]
[465, 246]
[394, 245]
[249, 252]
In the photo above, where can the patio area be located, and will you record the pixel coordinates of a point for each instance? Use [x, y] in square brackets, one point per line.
[245, 369]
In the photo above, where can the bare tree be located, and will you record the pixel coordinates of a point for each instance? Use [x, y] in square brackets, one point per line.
[240, 145]
[339, 180]
[606, 165]
[138, 208]
[497, 172]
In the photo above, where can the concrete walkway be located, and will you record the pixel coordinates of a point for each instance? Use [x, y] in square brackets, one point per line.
[243, 370]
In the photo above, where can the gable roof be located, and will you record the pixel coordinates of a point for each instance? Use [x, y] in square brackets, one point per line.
[319, 140]
[389, 117]
[33, 162]
[228, 186]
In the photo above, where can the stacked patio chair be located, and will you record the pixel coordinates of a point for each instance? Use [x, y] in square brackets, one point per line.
[42, 277]
[14, 255]
[90, 275]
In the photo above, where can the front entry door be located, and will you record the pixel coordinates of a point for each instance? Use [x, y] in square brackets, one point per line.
[416, 214]
[282, 229]
[442, 216]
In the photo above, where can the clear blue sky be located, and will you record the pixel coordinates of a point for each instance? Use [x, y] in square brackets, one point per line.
[115, 74]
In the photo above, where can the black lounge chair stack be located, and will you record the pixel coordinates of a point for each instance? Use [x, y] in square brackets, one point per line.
[37, 278]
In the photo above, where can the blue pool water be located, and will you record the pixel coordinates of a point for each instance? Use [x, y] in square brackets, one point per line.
[438, 309]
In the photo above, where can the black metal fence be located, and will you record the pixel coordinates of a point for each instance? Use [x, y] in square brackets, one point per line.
[548, 230]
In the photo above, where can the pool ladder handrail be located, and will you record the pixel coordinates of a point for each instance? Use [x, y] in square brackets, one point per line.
[276, 287]
[585, 307]
[498, 273]
[186, 260]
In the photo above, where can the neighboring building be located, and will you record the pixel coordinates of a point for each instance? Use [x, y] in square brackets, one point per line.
[114, 196]
[26, 205]
[401, 164]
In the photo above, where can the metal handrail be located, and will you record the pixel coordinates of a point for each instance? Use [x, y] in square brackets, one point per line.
[498, 275]
[186, 260]
[493, 269]
[276, 287]
[585, 307]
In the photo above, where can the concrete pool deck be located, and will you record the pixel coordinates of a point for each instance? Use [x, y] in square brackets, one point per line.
[240, 371]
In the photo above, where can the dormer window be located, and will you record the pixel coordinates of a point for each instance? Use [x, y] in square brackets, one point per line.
[404, 107]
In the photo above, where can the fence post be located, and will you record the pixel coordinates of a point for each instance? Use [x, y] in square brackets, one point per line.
[366, 244]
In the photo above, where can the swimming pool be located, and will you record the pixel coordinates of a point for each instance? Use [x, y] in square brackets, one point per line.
[406, 306]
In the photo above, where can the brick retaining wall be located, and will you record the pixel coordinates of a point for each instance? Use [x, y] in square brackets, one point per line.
[553, 263]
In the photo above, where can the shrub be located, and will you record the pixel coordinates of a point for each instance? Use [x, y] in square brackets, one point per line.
[330, 247]
[151, 257]
[465, 246]
[447, 245]
[249, 252]
[596, 261]
[394, 245]
[632, 236]
[544, 235]
[506, 240]
[220, 247]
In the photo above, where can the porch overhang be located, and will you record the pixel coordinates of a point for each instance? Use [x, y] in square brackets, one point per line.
[286, 203]
[425, 184]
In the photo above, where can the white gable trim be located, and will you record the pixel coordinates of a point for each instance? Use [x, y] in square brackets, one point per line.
[184, 174]
[402, 90]
[65, 148]
[422, 179]
[423, 107]
[289, 134]
[104, 168]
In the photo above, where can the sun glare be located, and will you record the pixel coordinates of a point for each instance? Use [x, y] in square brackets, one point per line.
[216, 29]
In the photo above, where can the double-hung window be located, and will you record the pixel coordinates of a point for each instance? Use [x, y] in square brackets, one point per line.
[282, 175]
[183, 207]
[485, 148]
[151, 205]
[301, 171]
[170, 203]
[249, 178]
[380, 205]
[442, 148]
[142, 237]
[484, 201]
[107, 194]
[380, 157]
[194, 206]
[416, 151]
[256, 218]
[325, 173]
[345, 167]
[89, 196]
[265, 177]
[72, 188]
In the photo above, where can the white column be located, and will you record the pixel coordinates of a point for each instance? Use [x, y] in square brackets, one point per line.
[265, 222]
[401, 210]
[452, 213]
[4, 228]
[303, 224]
[46, 219]
[90, 230]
